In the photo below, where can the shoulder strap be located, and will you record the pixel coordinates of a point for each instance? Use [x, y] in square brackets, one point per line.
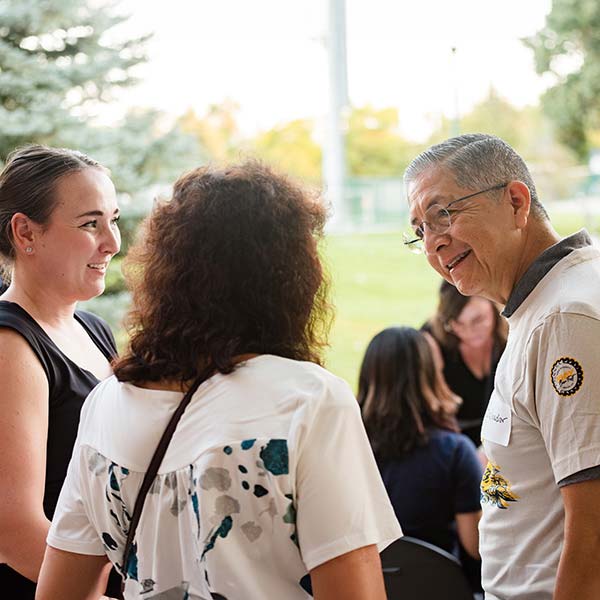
[155, 462]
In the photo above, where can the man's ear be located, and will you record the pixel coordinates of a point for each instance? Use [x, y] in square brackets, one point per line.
[520, 200]
[23, 231]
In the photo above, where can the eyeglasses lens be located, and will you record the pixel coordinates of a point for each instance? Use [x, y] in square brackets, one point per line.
[437, 218]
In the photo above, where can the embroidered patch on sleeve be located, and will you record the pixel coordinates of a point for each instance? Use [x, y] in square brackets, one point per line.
[566, 375]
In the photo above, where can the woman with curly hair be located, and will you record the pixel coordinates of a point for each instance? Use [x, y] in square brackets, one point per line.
[268, 477]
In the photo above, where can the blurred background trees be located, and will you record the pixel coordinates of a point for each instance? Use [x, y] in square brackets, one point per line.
[60, 60]
[567, 50]
[54, 62]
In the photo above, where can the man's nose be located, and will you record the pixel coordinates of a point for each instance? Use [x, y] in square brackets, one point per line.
[433, 242]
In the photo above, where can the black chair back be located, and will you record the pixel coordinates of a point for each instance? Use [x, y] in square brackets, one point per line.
[416, 570]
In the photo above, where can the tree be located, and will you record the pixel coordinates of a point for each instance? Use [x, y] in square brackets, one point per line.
[531, 133]
[139, 151]
[216, 131]
[60, 59]
[568, 49]
[374, 146]
[495, 115]
[54, 59]
[292, 148]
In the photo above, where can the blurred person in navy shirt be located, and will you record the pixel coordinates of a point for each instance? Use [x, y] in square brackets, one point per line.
[430, 470]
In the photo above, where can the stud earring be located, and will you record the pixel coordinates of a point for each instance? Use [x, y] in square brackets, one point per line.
[29, 249]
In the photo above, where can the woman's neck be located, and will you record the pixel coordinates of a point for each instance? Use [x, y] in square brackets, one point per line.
[478, 359]
[41, 304]
[176, 385]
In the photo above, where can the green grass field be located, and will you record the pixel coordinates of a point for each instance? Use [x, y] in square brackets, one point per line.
[377, 283]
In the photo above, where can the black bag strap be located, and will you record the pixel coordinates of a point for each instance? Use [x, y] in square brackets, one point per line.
[156, 461]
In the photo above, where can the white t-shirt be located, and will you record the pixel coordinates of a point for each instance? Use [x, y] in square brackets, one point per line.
[541, 426]
[269, 474]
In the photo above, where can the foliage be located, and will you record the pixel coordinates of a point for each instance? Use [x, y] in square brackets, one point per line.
[137, 151]
[114, 280]
[374, 145]
[531, 133]
[59, 61]
[497, 116]
[54, 59]
[217, 131]
[113, 309]
[568, 49]
[291, 148]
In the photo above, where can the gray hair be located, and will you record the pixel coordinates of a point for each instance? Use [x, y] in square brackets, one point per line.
[477, 160]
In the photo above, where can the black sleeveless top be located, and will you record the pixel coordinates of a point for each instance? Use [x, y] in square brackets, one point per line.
[475, 392]
[68, 386]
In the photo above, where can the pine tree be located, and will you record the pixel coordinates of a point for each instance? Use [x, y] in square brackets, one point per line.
[59, 59]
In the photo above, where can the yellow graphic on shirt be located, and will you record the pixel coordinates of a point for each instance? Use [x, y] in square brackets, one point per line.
[566, 375]
[495, 489]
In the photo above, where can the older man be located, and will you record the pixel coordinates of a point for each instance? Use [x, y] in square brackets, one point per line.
[475, 213]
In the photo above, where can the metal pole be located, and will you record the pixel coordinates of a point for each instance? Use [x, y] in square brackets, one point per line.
[334, 158]
[456, 117]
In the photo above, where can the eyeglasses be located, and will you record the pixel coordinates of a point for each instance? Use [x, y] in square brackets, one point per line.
[438, 220]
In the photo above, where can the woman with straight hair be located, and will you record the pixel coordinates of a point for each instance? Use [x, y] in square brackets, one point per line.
[268, 487]
[431, 472]
[58, 233]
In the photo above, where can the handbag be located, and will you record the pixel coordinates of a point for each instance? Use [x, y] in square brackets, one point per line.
[155, 463]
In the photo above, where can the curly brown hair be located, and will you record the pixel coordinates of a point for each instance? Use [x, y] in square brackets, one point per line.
[228, 266]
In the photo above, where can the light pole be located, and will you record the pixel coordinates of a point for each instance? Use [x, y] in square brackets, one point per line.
[334, 156]
[454, 71]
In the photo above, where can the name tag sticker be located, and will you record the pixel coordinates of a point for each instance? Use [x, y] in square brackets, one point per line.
[497, 422]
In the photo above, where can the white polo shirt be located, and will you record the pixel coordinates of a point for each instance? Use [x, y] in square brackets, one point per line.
[542, 424]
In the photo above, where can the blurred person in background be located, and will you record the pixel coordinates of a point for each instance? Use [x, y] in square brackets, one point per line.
[430, 470]
[471, 334]
[58, 233]
[269, 477]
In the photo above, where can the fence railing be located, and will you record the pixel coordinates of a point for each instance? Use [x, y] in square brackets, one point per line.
[373, 203]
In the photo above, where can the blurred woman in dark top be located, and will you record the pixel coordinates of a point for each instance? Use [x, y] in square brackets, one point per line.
[430, 470]
[471, 333]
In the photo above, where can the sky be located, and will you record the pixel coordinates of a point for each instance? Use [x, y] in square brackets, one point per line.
[269, 56]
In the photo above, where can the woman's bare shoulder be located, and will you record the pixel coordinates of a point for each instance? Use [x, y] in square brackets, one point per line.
[19, 366]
